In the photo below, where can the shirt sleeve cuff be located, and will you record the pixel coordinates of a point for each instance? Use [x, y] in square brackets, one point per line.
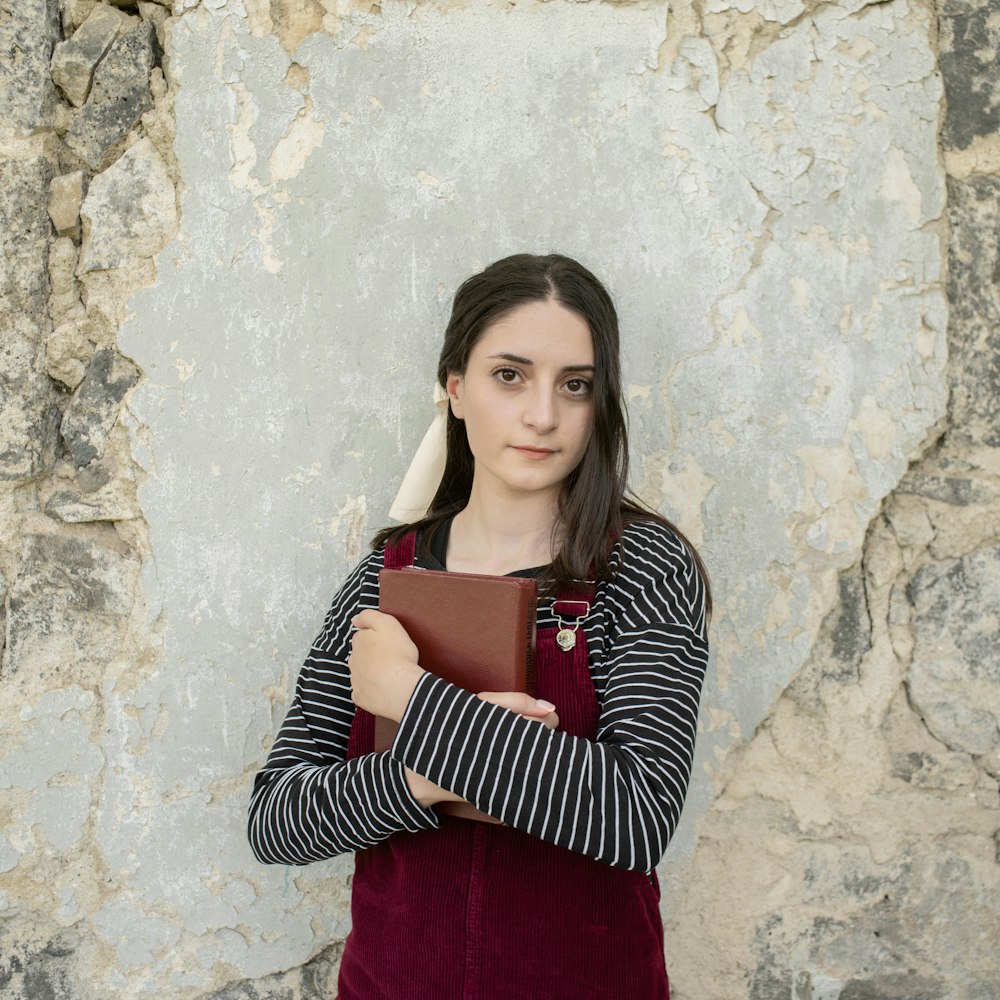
[411, 814]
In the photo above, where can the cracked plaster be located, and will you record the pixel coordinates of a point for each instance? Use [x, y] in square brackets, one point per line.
[768, 226]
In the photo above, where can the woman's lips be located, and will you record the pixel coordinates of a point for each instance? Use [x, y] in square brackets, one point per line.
[534, 453]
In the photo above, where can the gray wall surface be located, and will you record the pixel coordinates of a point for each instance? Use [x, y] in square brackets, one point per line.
[227, 363]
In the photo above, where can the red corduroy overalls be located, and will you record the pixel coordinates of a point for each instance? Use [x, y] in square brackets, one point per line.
[476, 911]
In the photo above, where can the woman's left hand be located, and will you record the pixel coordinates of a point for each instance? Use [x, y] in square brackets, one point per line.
[383, 665]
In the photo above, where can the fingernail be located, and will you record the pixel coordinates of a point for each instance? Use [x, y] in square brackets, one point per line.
[546, 706]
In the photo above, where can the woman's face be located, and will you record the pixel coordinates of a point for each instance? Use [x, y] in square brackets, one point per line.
[526, 397]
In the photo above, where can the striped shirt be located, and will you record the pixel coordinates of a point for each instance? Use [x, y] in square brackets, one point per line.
[616, 799]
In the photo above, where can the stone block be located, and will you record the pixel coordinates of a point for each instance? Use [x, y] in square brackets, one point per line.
[68, 351]
[118, 98]
[974, 302]
[28, 31]
[94, 409]
[74, 13]
[103, 491]
[158, 15]
[69, 603]
[37, 961]
[29, 414]
[74, 60]
[969, 40]
[3, 617]
[954, 676]
[130, 211]
[64, 295]
[65, 199]
[25, 231]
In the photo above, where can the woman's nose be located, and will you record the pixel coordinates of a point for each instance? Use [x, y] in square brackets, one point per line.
[541, 411]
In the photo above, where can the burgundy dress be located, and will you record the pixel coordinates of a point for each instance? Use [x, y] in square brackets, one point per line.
[476, 911]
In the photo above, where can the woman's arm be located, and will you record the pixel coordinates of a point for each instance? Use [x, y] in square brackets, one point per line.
[308, 802]
[616, 799]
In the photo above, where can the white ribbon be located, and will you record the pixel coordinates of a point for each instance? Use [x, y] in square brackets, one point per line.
[424, 474]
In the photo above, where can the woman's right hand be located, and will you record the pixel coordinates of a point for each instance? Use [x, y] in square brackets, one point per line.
[428, 794]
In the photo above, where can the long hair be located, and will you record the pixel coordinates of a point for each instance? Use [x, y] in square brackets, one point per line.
[594, 503]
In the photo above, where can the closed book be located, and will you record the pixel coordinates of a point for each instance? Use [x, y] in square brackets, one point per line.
[477, 632]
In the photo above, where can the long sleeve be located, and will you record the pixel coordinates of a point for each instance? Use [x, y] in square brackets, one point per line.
[616, 799]
[308, 802]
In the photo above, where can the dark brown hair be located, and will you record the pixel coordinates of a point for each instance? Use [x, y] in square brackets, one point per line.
[594, 504]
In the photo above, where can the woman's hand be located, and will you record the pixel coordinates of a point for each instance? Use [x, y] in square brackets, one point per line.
[383, 665]
[526, 706]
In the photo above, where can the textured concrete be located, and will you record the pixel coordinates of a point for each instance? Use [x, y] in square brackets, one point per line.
[764, 229]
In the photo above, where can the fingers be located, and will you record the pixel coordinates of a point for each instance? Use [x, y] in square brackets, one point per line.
[536, 709]
[518, 701]
[371, 619]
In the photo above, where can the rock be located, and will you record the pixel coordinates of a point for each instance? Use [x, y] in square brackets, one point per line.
[158, 15]
[74, 61]
[64, 290]
[38, 961]
[94, 409]
[954, 676]
[941, 771]
[103, 491]
[956, 490]
[974, 310]
[129, 212]
[118, 98]
[74, 13]
[29, 414]
[3, 617]
[969, 41]
[28, 31]
[65, 199]
[25, 231]
[70, 602]
[68, 351]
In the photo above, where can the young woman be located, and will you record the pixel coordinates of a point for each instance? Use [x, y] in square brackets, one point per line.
[588, 778]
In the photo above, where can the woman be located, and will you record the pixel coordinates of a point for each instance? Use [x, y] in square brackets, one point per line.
[589, 777]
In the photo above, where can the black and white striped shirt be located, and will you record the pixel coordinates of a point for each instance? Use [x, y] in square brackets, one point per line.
[616, 799]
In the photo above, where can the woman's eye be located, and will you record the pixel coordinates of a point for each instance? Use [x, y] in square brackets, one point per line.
[508, 375]
[578, 386]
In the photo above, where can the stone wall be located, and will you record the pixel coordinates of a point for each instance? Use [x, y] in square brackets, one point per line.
[853, 847]
[87, 200]
[219, 218]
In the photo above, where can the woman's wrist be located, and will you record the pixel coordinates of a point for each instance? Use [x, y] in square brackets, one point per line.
[404, 684]
[425, 792]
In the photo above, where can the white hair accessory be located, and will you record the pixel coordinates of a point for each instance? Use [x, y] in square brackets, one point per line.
[424, 474]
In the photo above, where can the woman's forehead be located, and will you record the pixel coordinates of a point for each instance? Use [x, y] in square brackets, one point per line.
[542, 329]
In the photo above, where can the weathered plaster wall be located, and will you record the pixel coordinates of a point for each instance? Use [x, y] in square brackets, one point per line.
[852, 850]
[763, 187]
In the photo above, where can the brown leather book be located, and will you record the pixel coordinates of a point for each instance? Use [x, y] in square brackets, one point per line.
[474, 631]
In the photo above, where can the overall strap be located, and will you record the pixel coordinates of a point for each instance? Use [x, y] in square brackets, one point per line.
[399, 555]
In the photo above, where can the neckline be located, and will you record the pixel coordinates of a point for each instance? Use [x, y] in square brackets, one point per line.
[439, 553]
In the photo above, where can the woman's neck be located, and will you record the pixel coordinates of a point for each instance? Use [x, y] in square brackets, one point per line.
[502, 535]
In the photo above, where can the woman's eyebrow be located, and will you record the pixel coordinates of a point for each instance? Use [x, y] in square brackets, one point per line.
[517, 359]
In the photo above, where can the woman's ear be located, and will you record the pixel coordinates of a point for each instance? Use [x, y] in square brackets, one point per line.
[456, 389]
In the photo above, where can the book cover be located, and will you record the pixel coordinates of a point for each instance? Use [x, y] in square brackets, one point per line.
[475, 631]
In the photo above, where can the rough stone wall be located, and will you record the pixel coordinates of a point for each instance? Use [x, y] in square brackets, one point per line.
[853, 847]
[763, 186]
[86, 202]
